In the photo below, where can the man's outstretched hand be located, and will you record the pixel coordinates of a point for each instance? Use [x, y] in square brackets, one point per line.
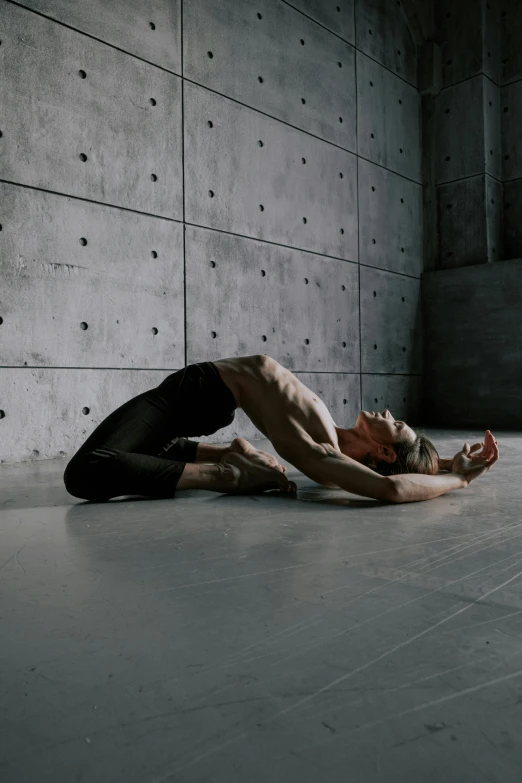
[472, 462]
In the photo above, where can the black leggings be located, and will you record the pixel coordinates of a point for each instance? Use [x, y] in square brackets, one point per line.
[142, 448]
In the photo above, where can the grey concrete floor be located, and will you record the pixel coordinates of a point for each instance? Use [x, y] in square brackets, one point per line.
[262, 638]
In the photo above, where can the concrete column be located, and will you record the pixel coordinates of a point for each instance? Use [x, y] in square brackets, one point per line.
[511, 119]
[466, 152]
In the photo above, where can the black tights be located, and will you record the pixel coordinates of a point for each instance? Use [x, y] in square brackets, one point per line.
[142, 448]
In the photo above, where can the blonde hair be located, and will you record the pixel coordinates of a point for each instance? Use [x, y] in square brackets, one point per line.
[421, 456]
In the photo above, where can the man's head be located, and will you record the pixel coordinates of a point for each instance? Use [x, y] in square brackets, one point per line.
[393, 447]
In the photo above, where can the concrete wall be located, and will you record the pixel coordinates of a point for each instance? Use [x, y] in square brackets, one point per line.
[467, 154]
[473, 327]
[472, 134]
[187, 181]
[511, 113]
[473, 339]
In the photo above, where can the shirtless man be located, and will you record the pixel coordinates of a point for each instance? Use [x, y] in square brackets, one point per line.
[128, 453]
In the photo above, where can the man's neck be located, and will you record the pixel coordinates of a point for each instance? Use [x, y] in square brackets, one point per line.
[353, 444]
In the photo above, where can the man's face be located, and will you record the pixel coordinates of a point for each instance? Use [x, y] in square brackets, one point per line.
[383, 428]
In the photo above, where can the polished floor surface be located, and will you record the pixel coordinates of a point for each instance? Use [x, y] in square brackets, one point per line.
[257, 639]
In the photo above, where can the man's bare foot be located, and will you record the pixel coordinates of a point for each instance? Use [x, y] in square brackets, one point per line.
[245, 476]
[242, 446]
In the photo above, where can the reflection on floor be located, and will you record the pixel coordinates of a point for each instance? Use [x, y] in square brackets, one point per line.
[262, 638]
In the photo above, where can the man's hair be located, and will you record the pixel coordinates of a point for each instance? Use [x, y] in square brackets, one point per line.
[421, 456]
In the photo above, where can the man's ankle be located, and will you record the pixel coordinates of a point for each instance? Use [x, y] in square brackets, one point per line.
[211, 476]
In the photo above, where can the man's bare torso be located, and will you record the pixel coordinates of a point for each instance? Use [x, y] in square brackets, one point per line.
[279, 405]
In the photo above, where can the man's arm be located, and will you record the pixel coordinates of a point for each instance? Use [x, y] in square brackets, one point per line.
[409, 487]
[445, 464]
[323, 464]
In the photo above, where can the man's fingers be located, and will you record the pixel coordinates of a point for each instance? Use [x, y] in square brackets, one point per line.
[493, 452]
[477, 452]
[493, 446]
[486, 452]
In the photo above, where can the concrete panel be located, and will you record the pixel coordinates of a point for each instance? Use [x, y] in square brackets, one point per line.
[470, 221]
[511, 33]
[512, 222]
[52, 116]
[149, 30]
[293, 56]
[340, 392]
[257, 298]
[495, 219]
[106, 303]
[47, 406]
[459, 131]
[399, 393]
[390, 220]
[492, 41]
[473, 337]
[337, 18]
[459, 28]
[492, 129]
[390, 323]
[235, 184]
[511, 102]
[389, 114]
[462, 222]
[241, 427]
[383, 34]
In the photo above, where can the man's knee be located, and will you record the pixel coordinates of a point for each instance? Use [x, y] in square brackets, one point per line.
[82, 477]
